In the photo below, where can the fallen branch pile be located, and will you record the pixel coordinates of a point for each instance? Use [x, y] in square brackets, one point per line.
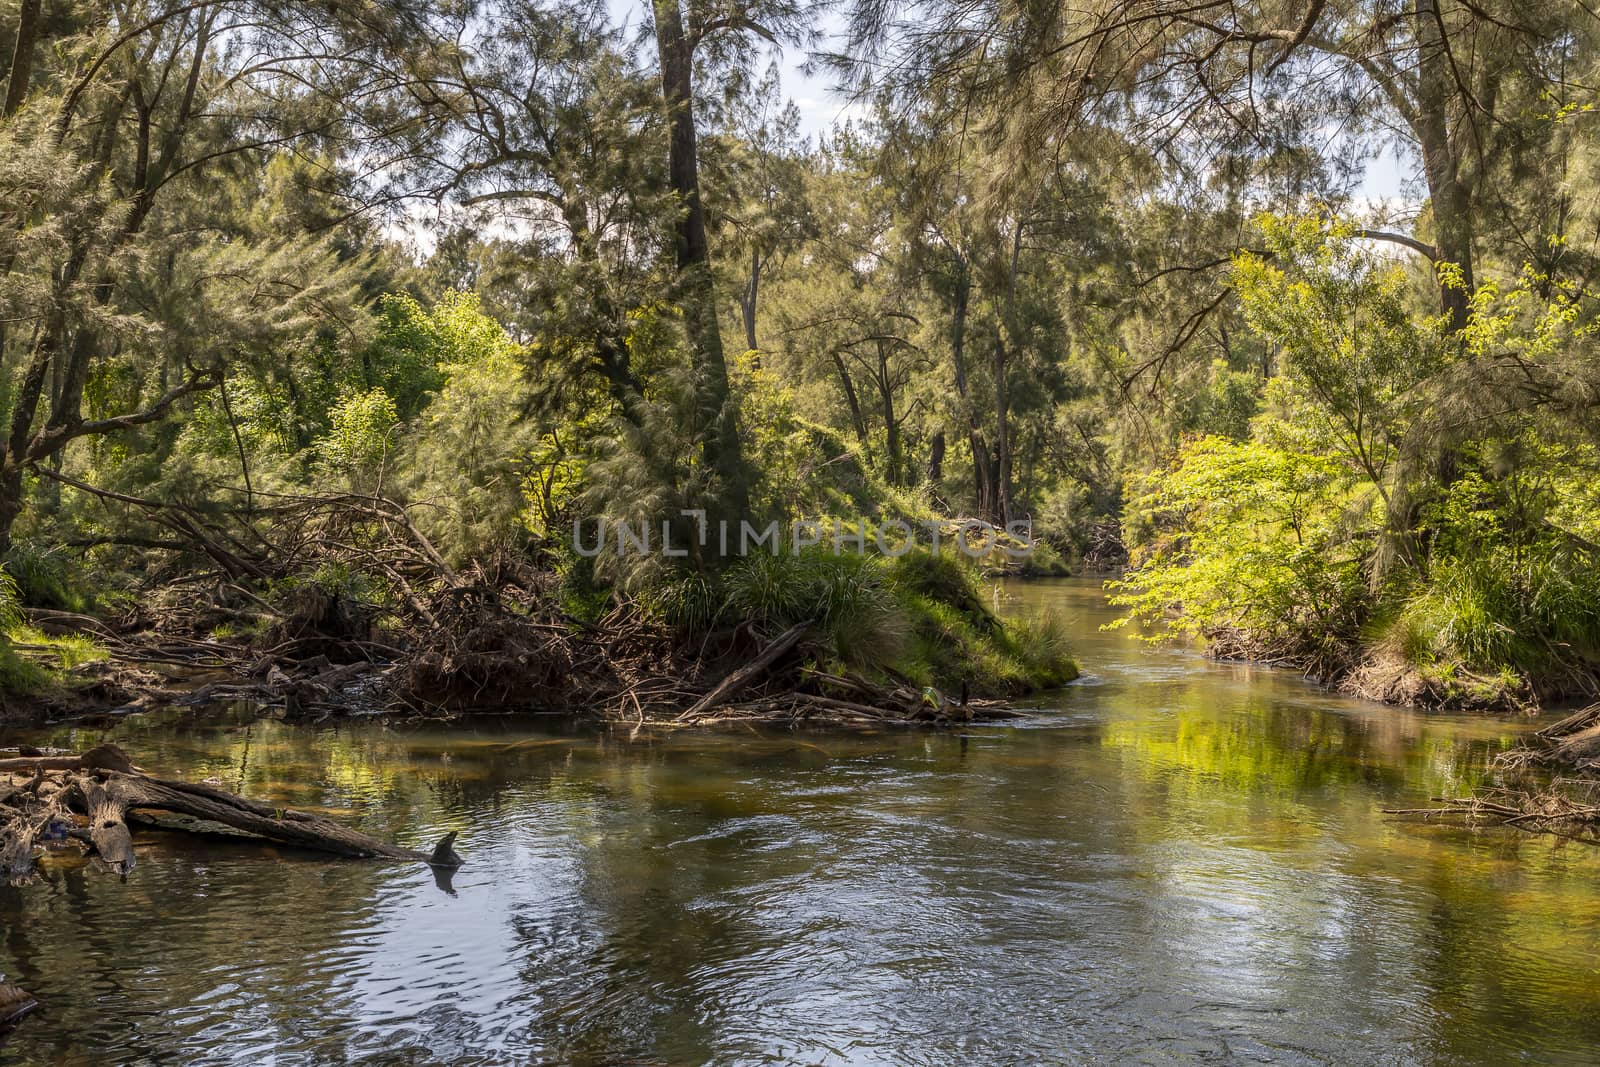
[89, 798]
[1529, 798]
[493, 645]
[446, 641]
[1572, 743]
[1565, 807]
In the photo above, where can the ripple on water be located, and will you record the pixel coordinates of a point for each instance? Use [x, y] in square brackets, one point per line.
[1186, 861]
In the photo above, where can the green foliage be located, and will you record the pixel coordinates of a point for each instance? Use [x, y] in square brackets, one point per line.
[1247, 539]
[39, 576]
[10, 602]
[917, 617]
[1353, 350]
[847, 597]
[1388, 511]
[23, 677]
[472, 446]
[361, 436]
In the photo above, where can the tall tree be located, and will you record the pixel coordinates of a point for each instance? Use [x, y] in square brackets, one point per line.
[710, 32]
[111, 158]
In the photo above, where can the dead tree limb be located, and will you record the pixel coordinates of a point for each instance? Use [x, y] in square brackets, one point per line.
[736, 682]
[108, 822]
[282, 825]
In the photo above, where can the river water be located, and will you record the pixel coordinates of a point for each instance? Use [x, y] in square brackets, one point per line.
[1174, 860]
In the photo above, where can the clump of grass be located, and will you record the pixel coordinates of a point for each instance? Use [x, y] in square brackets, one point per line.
[65, 651]
[50, 657]
[919, 617]
[1487, 629]
[39, 574]
[847, 597]
[942, 578]
[1041, 645]
[20, 677]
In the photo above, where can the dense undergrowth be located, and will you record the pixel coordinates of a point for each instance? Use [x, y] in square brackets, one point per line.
[1388, 524]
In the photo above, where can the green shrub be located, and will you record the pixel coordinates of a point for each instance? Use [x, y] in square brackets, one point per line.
[1249, 540]
[39, 574]
[847, 596]
[919, 617]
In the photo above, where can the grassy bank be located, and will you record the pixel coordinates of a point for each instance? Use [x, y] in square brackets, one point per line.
[919, 618]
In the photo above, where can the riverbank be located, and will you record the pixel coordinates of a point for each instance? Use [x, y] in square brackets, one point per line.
[1381, 672]
[814, 639]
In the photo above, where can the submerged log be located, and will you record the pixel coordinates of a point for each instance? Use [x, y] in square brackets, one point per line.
[101, 757]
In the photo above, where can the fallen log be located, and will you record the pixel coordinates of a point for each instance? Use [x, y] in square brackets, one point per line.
[284, 826]
[101, 757]
[103, 785]
[108, 822]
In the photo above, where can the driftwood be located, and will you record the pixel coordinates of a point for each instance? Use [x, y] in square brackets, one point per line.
[740, 679]
[64, 786]
[14, 1003]
[1572, 743]
[1532, 791]
[1565, 808]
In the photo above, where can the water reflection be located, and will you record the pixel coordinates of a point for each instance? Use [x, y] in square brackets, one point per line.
[1175, 859]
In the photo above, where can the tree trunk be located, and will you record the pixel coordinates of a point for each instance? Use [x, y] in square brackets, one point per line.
[22, 57]
[1449, 196]
[1002, 395]
[936, 458]
[857, 420]
[891, 426]
[752, 290]
[11, 500]
[718, 422]
[982, 476]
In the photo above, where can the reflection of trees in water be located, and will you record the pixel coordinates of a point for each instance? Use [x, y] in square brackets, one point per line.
[1252, 742]
[1212, 841]
[198, 948]
[1510, 946]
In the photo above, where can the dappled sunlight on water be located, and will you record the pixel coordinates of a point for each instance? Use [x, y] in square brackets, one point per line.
[1173, 859]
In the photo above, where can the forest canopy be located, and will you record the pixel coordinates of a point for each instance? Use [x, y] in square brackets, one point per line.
[366, 297]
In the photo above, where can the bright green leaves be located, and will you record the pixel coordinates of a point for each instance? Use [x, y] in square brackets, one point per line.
[1353, 353]
[361, 436]
[1244, 538]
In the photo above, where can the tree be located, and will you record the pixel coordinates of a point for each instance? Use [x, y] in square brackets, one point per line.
[1459, 84]
[757, 190]
[117, 257]
[713, 32]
